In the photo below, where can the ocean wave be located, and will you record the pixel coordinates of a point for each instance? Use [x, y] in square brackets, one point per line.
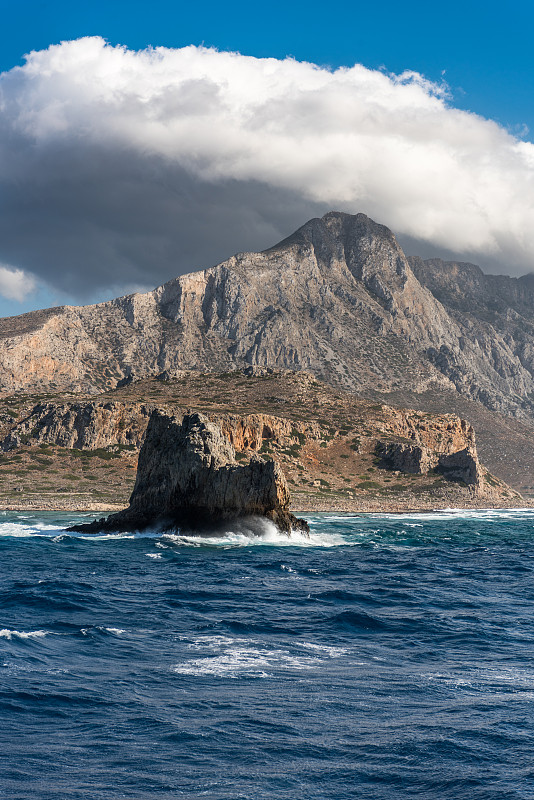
[353, 620]
[257, 533]
[5, 633]
[16, 530]
[458, 514]
[490, 680]
[327, 530]
[101, 629]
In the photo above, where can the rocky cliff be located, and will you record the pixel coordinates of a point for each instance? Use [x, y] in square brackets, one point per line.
[337, 298]
[188, 478]
[416, 459]
[86, 426]
[336, 450]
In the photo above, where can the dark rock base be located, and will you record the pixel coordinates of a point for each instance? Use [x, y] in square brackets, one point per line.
[198, 524]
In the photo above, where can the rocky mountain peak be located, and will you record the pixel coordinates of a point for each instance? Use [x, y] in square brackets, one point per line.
[337, 236]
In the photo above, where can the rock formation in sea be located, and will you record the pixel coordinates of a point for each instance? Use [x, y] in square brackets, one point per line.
[189, 478]
[338, 298]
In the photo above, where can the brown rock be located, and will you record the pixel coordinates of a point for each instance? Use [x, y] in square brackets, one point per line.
[461, 466]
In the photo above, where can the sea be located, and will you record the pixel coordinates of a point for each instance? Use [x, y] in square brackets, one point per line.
[385, 657]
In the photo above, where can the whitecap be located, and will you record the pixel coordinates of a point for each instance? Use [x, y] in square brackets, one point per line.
[234, 657]
[256, 532]
[490, 680]
[328, 650]
[5, 633]
[483, 514]
[245, 661]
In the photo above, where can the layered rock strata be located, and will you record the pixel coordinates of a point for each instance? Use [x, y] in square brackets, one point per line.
[188, 478]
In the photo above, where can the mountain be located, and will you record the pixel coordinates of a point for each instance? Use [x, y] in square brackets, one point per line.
[338, 298]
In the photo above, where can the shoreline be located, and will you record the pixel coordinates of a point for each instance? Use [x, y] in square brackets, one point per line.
[87, 508]
[406, 506]
[368, 507]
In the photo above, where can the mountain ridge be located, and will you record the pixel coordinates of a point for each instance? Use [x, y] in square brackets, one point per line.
[338, 298]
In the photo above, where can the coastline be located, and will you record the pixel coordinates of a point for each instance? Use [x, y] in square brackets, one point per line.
[400, 506]
[85, 508]
[310, 507]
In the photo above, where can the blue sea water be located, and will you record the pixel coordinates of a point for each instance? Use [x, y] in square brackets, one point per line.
[387, 656]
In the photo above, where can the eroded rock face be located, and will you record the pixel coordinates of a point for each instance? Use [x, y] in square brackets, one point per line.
[84, 426]
[413, 459]
[188, 477]
[459, 466]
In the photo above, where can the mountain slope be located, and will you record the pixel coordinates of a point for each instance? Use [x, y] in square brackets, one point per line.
[337, 298]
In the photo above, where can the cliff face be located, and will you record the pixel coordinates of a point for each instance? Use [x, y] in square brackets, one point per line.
[188, 477]
[458, 465]
[327, 441]
[338, 298]
[103, 424]
[84, 426]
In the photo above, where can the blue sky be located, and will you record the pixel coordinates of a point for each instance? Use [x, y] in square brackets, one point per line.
[85, 220]
[484, 49]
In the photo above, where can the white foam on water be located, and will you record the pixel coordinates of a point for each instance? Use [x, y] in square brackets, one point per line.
[287, 568]
[205, 642]
[238, 657]
[328, 650]
[461, 513]
[115, 631]
[102, 537]
[5, 633]
[153, 555]
[20, 529]
[487, 681]
[239, 660]
[256, 532]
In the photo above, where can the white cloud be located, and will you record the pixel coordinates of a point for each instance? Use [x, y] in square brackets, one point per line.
[15, 284]
[84, 114]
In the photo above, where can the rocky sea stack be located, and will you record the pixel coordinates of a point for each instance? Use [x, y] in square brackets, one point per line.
[189, 478]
